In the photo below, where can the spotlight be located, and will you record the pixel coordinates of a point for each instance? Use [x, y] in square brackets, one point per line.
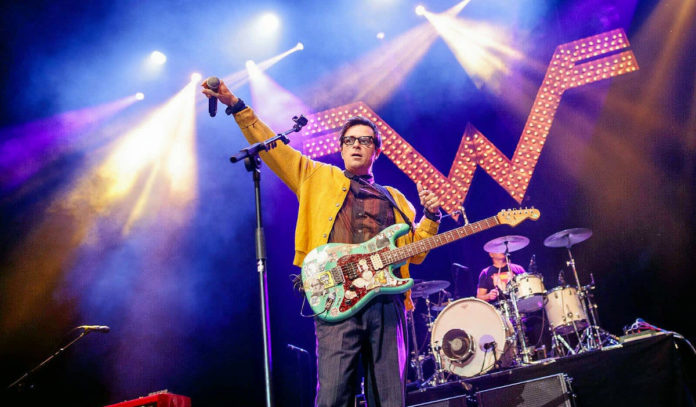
[269, 22]
[195, 77]
[250, 64]
[420, 10]
[299, 46]
[380, 35]
[139, 96]
[158, 58]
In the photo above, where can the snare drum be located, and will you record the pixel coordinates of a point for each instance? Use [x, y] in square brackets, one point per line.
[530, 292]
[564, 310]
[467, 332]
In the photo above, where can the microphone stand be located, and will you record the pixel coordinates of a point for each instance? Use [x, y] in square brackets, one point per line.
[42, 364]
[252, 162]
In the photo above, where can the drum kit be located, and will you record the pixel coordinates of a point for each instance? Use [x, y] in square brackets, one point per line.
[470, 337]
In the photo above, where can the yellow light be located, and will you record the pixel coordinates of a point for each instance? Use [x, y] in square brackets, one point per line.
[139, 96]
[143, 160]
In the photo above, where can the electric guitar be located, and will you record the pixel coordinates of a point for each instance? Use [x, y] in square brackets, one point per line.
[339, 279]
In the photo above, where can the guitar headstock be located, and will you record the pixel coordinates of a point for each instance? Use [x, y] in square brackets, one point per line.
[514, 217]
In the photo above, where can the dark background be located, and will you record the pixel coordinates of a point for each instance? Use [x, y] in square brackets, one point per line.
[181, 296]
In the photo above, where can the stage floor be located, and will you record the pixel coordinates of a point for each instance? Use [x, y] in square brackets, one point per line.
[653, 371]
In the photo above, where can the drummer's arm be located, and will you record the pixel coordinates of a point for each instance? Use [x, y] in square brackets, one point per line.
[483, 294]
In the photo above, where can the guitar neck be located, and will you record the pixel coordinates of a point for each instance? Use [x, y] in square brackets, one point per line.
[402, 253]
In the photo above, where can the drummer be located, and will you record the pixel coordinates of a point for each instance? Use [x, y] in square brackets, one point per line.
[494, 279]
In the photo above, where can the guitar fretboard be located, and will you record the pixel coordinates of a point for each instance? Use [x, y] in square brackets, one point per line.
[422, 246]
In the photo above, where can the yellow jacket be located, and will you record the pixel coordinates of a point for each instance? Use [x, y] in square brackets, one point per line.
[321, 189]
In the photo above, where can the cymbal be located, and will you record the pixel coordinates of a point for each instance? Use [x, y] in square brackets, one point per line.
[568, 237]
[424, 289]
[512, 243]
[438, 308]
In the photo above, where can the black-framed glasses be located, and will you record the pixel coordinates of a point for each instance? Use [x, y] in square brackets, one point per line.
[363, 140]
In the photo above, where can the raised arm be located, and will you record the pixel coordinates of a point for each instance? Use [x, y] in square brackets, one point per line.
[289, 164]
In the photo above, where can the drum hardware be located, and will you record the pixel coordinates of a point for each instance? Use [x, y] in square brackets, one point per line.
[506, 245]
[593, 336]
[560, 346]
[439, 376]
[416, 360]
[523, 355]
[475, 329]
[424, 289]
[530, 291]
[444, 298]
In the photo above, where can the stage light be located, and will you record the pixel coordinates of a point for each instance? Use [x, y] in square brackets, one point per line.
[139, 96]
[380, 35]
[250, 64]
[158, 58]
[481, 48]
[195, 77]
[420, 10]
[270, 100]
[374, 77]
[299, 46]
[269, 22]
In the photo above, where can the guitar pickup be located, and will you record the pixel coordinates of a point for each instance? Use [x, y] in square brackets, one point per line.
[376, 262]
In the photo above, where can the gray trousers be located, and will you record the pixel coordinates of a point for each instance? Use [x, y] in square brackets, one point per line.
[378, 334]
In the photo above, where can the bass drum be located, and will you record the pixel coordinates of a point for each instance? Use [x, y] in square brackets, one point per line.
[465, 335]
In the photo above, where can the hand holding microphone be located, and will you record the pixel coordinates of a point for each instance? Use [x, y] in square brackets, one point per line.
[215, 89]
[213, 83]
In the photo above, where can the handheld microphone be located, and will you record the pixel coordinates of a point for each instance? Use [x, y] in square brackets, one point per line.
[213, 84]
[97, 328]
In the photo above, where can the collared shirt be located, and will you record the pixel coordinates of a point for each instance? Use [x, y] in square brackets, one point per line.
[365, 212]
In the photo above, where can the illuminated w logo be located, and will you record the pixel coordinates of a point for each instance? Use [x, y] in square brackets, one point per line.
[566, 70]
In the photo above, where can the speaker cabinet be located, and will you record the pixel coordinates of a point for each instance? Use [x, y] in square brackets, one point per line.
[549, 391]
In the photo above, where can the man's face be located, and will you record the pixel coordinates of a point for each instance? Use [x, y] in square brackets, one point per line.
[358, 158]
[497, 257]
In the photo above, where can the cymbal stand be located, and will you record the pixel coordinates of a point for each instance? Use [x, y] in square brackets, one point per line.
[519, 332]
[593, 341]
[556, 342]
[595, 331]
[416, 360]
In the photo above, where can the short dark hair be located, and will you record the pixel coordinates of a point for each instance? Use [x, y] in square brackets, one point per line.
[361, 120]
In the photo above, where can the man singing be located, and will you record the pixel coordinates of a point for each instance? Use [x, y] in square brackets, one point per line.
[347, 206]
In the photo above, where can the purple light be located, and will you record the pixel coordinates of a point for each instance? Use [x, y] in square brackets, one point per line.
[29, 147]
